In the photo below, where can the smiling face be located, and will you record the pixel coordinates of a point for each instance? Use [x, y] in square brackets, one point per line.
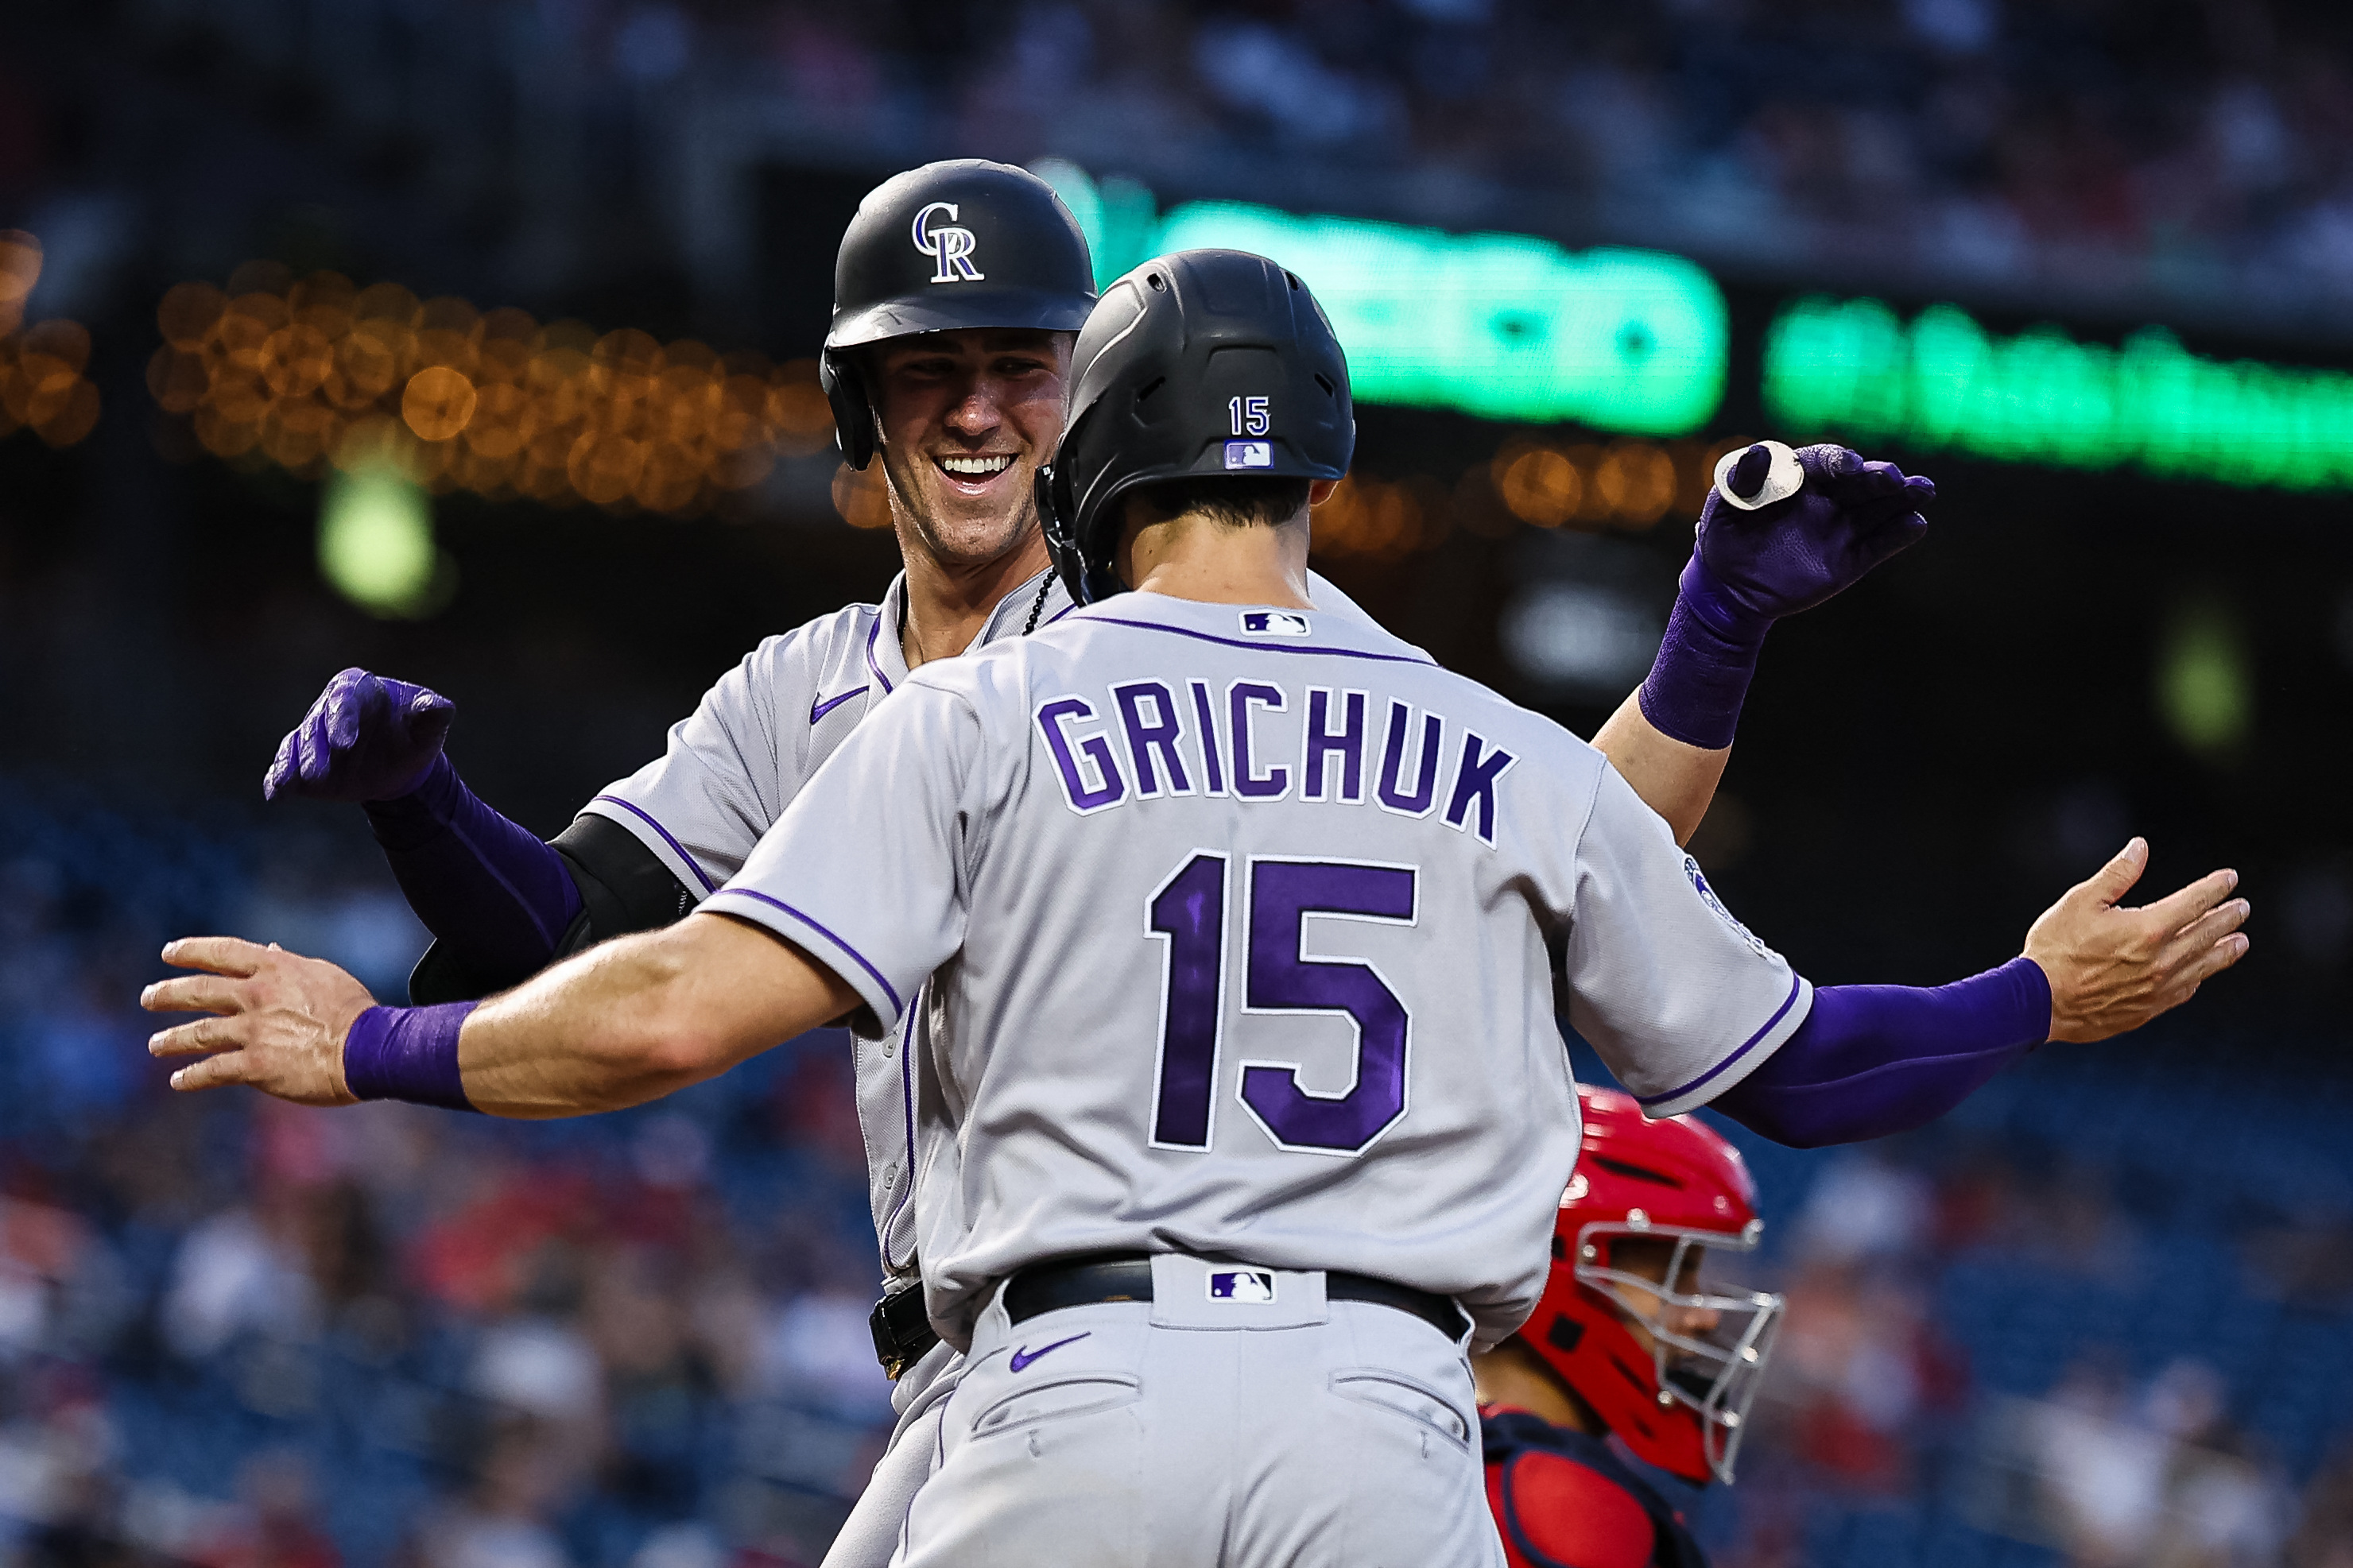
[967, 418]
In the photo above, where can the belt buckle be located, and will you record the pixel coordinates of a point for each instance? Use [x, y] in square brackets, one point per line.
[901, 1332]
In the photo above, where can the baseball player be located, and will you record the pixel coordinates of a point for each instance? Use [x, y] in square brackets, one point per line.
[1626, 1341]
[1233, 928]
[942, 373]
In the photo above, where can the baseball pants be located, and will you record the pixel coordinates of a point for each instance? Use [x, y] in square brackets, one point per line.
[1201, 1430]
[870, 1534]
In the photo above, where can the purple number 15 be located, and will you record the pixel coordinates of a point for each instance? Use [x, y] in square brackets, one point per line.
[1189, 911]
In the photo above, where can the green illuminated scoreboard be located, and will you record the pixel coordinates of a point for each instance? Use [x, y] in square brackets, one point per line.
[1500, 325]
[1943, 382]
[1514, 328]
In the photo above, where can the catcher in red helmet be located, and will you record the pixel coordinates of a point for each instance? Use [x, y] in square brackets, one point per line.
[1627, 1341]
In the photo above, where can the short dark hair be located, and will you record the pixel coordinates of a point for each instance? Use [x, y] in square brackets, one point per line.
[1236, 502]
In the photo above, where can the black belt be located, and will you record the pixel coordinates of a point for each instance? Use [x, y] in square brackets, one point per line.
[902, 1329]
[1127, 1277]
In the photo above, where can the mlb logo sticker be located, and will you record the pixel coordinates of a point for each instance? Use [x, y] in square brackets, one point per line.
[1249, 453]
[1251, 1284]
[1273, 623]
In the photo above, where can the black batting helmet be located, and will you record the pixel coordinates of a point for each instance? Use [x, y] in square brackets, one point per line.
[1204, 362]
[965, 243]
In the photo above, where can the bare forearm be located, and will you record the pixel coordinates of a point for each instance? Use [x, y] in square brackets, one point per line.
[622, 1024]
[1674, 779]
[640, 1017]
[605, 1030]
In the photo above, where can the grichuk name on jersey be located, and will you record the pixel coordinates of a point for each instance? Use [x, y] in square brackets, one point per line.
[1154, 739]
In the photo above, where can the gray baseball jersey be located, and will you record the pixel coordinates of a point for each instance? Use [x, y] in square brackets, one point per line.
[732, 767]
[1237, 933]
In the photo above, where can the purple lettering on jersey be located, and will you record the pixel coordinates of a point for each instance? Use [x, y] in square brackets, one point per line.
[1249, 784]
[1189, 911]
[1325, 743]
[1284, 893]
[1144, 739]
[1214, 780]
[1084, 797]
[1425, 789]
[1474, 784]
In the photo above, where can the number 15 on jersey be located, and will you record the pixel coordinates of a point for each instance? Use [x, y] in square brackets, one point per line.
[1187, 913]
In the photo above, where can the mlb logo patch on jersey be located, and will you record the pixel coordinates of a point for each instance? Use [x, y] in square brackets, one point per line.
[1249, 453]
[1253, 1285]
[1273, 623]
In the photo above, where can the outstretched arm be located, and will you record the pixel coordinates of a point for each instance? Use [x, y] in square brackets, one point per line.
[1781, 532]
[1872, 1060]
[501, 902]
[627, 1022]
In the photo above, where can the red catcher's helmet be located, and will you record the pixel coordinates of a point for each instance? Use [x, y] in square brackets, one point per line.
[1680, 1402]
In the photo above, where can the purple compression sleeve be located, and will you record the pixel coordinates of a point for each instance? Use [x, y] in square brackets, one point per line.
[1871, 1060]
[497, 894]
[408, 1053]
[1701, 676]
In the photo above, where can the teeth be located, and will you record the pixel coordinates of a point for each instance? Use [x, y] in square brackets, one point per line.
[977, 467]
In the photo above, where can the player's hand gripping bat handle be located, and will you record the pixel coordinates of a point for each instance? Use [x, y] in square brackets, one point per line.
[2112, 968]
[366, 738]
[1784, 530]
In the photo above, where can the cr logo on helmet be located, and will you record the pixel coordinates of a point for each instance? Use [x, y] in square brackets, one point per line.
[949, 248]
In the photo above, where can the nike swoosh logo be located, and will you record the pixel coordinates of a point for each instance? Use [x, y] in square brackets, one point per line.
[1025, 1356]
[820, 708]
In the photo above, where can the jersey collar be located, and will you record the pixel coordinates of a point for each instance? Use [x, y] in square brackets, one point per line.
[886, 655]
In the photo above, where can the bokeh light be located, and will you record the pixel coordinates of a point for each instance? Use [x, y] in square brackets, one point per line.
[317, 375]
[375, 542]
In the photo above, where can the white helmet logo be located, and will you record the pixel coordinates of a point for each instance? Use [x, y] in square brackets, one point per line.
[949, 248]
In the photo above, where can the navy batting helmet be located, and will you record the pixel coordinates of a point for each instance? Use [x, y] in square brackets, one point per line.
[964, 242]
[1204, 362]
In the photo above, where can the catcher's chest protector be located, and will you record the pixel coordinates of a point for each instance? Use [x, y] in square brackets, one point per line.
[1562, 1500]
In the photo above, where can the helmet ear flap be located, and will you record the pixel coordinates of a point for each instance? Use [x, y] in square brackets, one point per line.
[853, 411]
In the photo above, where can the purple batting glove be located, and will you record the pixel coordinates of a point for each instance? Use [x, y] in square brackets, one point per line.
[1752, 565]
[366, 739]
[1791, 554]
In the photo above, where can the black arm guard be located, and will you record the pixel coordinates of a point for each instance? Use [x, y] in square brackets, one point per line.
[624, 887]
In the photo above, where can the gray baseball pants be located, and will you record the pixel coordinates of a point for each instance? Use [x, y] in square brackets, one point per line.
[1208, 1431]
[870, 1533]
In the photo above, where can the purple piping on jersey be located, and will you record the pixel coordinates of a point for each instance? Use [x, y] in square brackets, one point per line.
[820, 710]
[1269, 646]
[1749, 1044]
[873, 632]
[692, 864]
[1057, 614]
[907, 1095]
[887, 990]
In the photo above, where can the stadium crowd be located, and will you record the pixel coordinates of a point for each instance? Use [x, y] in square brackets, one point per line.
[243, 1336]
[2195, 155]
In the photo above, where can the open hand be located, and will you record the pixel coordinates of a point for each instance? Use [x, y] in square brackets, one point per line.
[2112, 968]
[1793, 553]
[366, 738]
[280, 1023]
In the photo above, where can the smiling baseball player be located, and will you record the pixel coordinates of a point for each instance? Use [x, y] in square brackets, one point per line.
[958, 290]
[1233, 926]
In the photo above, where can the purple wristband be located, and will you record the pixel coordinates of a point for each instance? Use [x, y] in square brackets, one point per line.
[408, 1053]
[1701, 676]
